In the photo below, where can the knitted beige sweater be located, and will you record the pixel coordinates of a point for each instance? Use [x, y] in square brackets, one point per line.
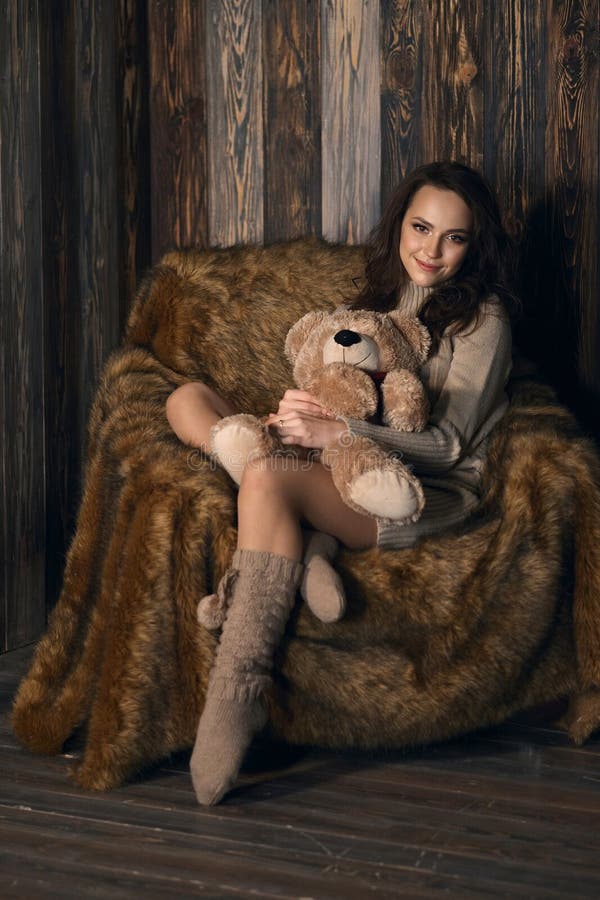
[465, 382]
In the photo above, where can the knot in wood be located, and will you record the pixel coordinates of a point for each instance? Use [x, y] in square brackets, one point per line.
[571, 51]
[400, 70]
[467, 72]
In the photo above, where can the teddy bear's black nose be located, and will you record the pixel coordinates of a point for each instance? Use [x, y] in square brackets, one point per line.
[346, 338]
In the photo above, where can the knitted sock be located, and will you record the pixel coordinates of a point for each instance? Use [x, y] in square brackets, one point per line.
[263, 595]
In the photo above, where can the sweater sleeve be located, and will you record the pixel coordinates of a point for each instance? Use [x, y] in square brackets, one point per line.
[472, 392]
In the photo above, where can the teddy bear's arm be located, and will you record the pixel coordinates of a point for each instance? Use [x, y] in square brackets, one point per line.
[345, 389]
[405, 405]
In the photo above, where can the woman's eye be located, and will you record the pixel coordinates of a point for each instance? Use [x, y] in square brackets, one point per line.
[456, 238]
[418, 227]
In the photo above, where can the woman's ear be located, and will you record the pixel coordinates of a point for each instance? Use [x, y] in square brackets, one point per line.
[415, 333]
[300, 331]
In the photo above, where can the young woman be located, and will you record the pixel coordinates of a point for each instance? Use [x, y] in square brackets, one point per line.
[439, 252]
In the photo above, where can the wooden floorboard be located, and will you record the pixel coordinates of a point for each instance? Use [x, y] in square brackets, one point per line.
[510, 812]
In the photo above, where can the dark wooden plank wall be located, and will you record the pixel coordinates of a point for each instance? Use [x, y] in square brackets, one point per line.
[234, 85]
[177, 109]
[292, 119]
[22, 544]
[75, 187]
[129, 127]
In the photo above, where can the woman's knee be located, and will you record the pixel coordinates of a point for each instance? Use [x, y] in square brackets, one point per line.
[181, 400]
[266, 478]
[191, 410]
[193, 396]
[187, 395]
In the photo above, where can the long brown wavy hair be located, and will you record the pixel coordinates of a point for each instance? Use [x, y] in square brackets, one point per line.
[487, 269]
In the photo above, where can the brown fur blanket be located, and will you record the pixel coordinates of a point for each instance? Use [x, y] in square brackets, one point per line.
[459, 632]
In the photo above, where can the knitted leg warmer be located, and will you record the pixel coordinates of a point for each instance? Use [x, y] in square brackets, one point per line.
[262, 598]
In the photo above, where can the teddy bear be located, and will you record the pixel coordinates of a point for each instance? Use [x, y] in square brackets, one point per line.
[357, 363]
[361, 364]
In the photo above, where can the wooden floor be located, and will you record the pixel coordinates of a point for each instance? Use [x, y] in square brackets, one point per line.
[513, 812]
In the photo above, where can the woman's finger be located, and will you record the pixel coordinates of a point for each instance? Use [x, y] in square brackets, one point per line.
[297, 394]
[293, 395]
[312, 407]
[275, 418]
[299, 406]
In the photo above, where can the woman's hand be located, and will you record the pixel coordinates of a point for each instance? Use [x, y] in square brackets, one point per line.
[300, 419]
[300, 401]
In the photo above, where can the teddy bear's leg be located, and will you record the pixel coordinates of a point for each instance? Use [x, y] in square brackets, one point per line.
[370, 481]
[322, 588]
[387, 494]
[234, 439]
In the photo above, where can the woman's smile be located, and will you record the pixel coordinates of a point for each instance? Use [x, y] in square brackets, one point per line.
[427, 267]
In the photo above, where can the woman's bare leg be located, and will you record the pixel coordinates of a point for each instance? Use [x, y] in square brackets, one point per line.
[193, 409]
[279, 494]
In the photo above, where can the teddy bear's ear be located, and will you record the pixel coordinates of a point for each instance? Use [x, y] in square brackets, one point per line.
[414, 331]
[299, 332]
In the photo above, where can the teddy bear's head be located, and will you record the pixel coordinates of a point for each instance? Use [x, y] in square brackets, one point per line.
[368, 340]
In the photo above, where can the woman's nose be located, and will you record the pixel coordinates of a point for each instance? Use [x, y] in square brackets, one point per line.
[433, 246]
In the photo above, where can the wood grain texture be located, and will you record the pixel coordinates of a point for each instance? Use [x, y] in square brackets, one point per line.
[311, 111]
[62, 336]
[401, 68]
[573, 171]
[514, 107]
[134, 168]
[350, 118]
[235, 122]
[292, 113]
[22, 463]
[98, 167]
[452, 100]
[484, 816]
[178, 137]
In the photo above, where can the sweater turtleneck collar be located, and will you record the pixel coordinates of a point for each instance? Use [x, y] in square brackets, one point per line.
[411, 298]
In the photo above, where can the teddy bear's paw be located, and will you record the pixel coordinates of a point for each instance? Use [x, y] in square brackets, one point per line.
[387, 494]
[236, 439]
[323, 590]
[321, 586]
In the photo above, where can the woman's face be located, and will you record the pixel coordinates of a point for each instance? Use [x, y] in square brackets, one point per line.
[435, 235]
